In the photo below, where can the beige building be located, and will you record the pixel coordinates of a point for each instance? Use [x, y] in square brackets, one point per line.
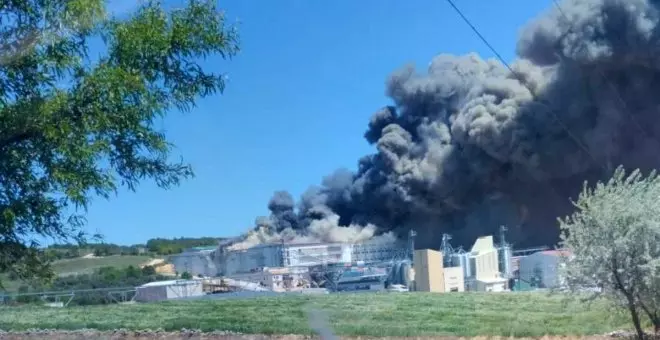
[484, 256]
[429, 273]
[454, 281]
[484, 260]
[492, 285]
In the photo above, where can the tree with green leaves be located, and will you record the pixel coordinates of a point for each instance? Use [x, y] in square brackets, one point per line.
[614, 240]
[77, 122]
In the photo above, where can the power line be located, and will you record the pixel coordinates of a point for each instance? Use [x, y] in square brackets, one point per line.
[521, 80]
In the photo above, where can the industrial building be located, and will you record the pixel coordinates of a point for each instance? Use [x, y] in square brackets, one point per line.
[231, 262]
[486, 267]
[278, 279]
[173, 289]
[368, 265]
[542, 269]
[429, 272]
[361, 278]
[195, 261]
[430, 275]
[282, 255]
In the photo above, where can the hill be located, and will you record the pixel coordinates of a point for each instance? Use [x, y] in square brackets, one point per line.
[378, 314]
[154, 246]
[83, 265]
[86, 265]
[72, 259]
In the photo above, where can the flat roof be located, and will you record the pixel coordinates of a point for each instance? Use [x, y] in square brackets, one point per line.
[170, 283]
[558, 252]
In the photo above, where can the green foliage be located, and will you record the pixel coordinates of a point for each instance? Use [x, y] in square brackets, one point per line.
[70, 251]
[77, 266]
[104, 277]
[186, 276]
[614, 237]
[73, 127]
[162, 246]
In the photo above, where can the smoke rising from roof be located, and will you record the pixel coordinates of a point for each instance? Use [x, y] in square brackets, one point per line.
[468, 145]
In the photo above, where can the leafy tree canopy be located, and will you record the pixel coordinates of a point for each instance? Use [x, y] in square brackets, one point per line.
[74, 124]
[614, 238]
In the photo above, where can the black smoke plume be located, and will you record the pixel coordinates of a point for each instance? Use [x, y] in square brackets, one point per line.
[470, 145]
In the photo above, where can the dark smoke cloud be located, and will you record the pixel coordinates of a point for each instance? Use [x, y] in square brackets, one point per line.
[282, 206]
[469, 146]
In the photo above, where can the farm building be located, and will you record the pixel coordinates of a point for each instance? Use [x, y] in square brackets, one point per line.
[165, 290]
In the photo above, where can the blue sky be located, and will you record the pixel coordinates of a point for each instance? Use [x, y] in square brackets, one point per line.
[309, 76]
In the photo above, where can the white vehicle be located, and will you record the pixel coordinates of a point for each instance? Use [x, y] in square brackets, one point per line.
[398, 288]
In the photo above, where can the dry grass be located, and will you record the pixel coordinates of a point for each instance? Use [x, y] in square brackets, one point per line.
[83, 265]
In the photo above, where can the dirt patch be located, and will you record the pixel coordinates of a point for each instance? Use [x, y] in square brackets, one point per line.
[190, 335]
[153, 263]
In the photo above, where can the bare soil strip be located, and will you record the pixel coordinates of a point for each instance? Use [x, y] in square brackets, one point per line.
[193, 335]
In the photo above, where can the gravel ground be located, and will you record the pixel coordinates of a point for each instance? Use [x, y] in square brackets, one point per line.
[194, 335]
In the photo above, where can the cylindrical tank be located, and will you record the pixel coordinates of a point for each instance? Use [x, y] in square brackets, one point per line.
[394, 273]
[504, 254]
[462, 259]
[405, 274]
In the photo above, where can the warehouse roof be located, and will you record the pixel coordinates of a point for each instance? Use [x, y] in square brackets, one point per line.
[170, 283]
[558, 252]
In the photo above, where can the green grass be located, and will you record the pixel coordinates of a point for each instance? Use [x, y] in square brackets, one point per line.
[382, 314]
[88, 265]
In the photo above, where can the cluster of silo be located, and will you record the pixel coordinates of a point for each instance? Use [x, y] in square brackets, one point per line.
[465, 260]
[400, 274]
[462, 259]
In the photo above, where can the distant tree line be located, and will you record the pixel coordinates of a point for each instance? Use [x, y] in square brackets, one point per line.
[156, 246]
[106, 277]
[70, 251]
[163, 246]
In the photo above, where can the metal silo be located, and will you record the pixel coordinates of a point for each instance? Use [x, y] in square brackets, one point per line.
[462, 259]
[405, 274]
[504, 254]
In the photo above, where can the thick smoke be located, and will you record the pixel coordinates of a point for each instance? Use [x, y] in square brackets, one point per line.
[469, 145]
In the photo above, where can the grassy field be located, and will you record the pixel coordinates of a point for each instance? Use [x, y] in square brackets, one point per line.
[384, 314]
[87, 265]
